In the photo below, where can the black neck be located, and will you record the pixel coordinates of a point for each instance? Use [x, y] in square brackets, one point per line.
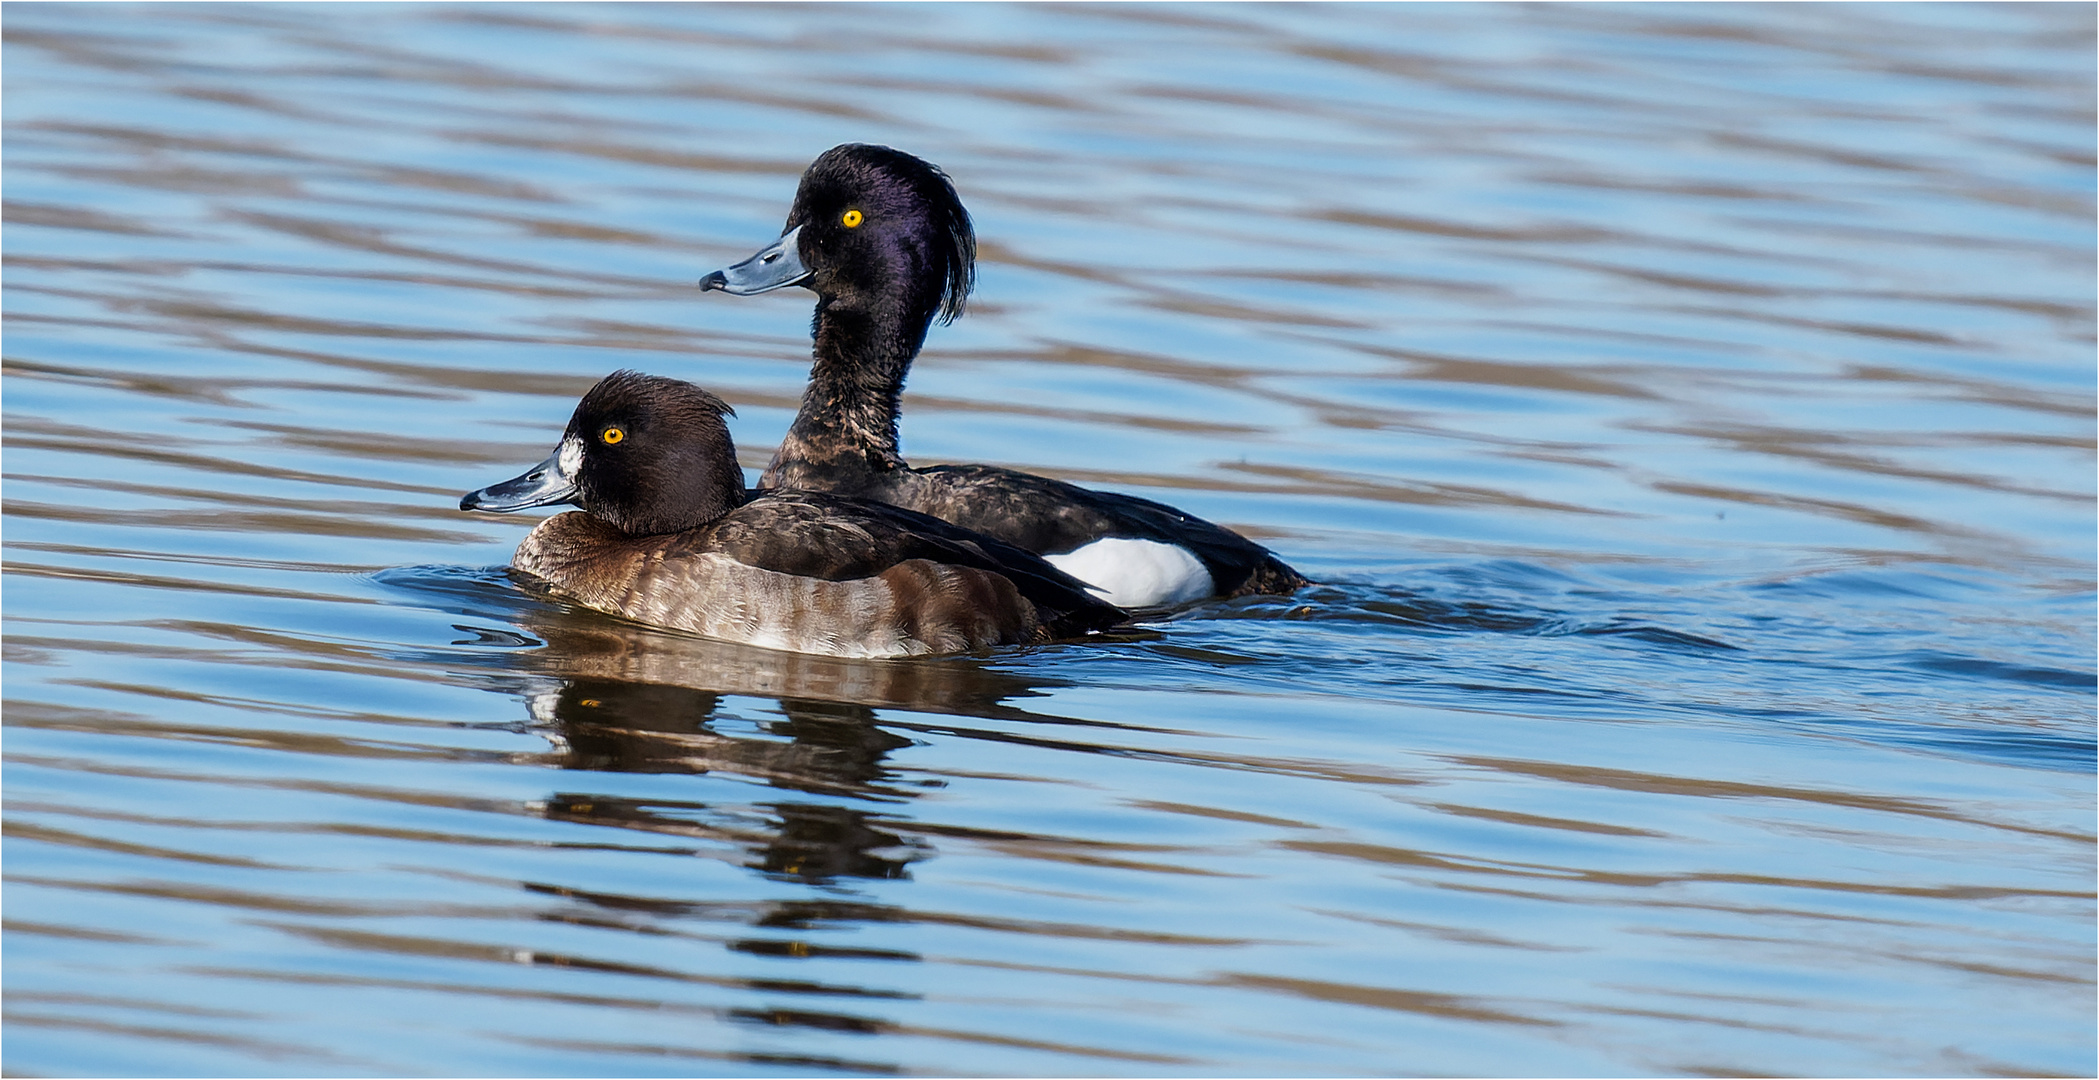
[848, 418]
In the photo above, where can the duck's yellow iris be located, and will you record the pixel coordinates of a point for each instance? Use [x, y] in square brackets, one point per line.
[612, 436]
[852, 219]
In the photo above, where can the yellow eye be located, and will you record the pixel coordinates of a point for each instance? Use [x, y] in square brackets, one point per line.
[612, 436]
[852, 219]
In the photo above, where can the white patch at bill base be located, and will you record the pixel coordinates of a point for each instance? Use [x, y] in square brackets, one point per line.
[570, 459]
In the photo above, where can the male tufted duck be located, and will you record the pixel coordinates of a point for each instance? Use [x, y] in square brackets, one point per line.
[668, 536]
[882, 239]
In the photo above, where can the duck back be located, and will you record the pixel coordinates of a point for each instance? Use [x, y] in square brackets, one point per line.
[1141, 553]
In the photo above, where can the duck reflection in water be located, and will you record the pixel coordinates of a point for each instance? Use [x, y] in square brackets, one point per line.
[828, 748]
[615, 697]
[621, 699]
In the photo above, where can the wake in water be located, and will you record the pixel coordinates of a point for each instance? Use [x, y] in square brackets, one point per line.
[1766, 653]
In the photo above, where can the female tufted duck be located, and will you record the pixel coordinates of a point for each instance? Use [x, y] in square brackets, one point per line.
[884, 242]
[669, 537]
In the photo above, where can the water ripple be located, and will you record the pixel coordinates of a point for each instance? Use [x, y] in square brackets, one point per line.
[1688, 410]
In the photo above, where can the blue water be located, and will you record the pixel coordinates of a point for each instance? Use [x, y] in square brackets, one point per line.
[1688, 412]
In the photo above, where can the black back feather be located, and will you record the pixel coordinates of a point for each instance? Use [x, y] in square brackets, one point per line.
[1039, 513]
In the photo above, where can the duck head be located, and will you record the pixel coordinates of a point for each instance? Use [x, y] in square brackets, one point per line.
[645, 454]
[873, 231]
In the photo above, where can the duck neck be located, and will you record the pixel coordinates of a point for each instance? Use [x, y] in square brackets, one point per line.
[848, 420]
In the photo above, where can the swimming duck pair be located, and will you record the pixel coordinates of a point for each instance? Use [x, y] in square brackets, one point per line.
[844, 549]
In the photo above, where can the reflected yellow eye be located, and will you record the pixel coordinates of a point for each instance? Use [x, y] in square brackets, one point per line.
[852, 219]
[612, 436]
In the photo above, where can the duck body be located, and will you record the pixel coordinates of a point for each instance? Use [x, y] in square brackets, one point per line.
[668, 537]
[882, 239]
[1134, 552]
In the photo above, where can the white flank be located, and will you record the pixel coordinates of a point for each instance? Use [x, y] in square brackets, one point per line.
[1137, 573]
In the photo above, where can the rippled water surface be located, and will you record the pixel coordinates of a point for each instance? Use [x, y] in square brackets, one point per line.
[1689, 412]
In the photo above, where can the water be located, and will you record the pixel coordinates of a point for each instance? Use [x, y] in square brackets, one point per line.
[1689, 411]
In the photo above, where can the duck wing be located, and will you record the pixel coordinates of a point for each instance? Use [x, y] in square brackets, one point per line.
[1053, 517]
[839, 538]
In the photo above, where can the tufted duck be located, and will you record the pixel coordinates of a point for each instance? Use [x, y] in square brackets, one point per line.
[668, 536]
[882, 239]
